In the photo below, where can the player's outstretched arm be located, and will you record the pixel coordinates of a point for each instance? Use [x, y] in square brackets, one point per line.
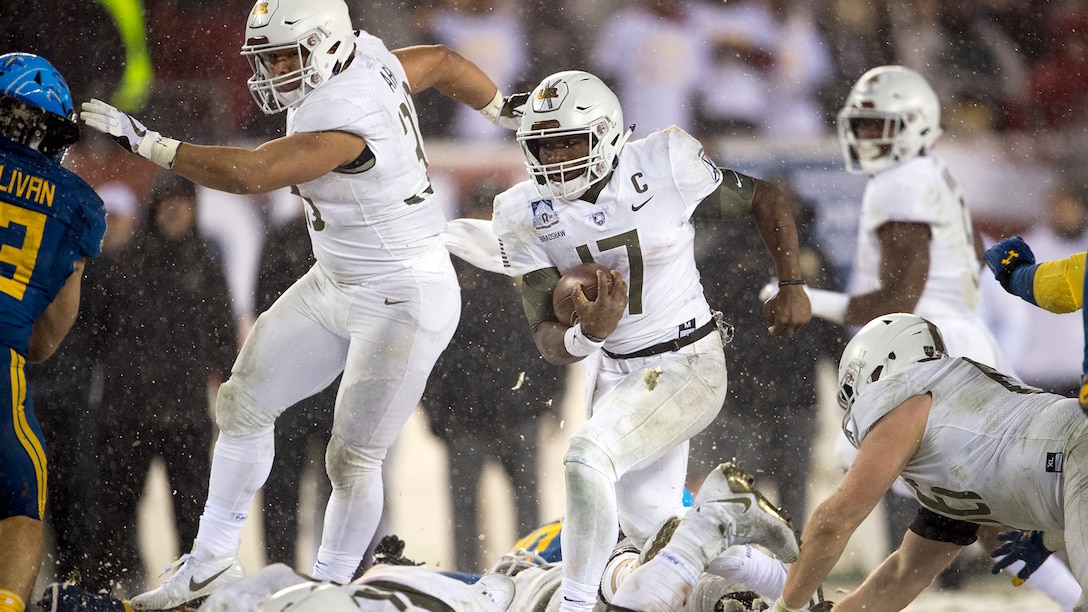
[903, 575]
[1005, 257]
[456, 77]
[291, 160]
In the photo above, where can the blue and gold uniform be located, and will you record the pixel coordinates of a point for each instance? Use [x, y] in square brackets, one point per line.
[49, 219]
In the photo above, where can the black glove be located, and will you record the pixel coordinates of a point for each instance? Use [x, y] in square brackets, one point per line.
[1026, 546]
[1006, 256]
[390, 551]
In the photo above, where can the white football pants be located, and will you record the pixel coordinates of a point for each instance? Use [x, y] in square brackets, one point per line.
[385, 337]
[626, 464]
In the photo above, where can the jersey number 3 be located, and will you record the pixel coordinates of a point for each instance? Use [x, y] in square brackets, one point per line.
[21, 231]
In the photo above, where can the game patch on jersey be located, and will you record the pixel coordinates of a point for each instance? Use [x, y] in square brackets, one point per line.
[544, 215]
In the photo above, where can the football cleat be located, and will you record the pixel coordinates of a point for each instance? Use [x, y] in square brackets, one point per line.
[659, 539]
[193, 579]
[68, 597]
[746, 516]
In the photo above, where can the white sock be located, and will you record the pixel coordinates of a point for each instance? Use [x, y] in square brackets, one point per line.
[752, 568]
[697, 540]
[351, 520]
[1054, 579]
[336, 567]
[240, 465]
[659, 585]
[577, 597]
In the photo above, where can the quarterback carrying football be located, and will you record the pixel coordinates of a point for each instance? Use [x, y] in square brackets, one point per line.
[653, 347]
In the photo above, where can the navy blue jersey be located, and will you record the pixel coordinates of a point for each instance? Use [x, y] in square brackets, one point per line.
[49, 219]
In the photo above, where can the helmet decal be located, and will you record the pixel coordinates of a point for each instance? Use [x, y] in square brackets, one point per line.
[571, 105]
[549, 97]
[262, 13]
[317, 32]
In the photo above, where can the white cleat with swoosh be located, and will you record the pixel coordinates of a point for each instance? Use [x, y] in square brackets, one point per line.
[746, 516]
[192, 580]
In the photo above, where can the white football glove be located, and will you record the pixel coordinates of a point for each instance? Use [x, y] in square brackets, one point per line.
[513, 107]
[129, 133]
[506, 112]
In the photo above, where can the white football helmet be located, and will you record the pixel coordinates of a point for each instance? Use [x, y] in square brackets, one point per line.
[903, 103]
[572, 103]
[318, 30]
[885, 346]
[311, 597]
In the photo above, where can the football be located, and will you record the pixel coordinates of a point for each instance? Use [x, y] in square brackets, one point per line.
[563, 297]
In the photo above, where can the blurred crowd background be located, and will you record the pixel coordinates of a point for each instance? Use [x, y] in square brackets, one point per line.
[758, 81]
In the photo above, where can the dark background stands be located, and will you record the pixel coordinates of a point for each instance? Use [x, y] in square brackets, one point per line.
[164, 333]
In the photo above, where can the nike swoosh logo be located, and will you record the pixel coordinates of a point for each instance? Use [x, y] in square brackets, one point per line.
[389, 302]
[135, 128]
[195, 586]
[639, 207]
[737, 177]
[747, 503]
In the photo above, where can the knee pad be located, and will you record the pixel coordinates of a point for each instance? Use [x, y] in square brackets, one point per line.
[585, 452]
[237, 413]
[346, 464]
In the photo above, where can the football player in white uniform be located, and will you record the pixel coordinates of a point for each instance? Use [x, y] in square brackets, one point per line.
[917, 250]
[975, 447]
[380, 304]
[656, 369]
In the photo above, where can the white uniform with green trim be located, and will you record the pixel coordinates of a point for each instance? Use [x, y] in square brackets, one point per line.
[380, 305]
[995, 451]
[629, 459]
[639, 226]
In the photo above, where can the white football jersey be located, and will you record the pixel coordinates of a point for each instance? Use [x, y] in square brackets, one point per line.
[640, 226]
[923, 190]
[994, 449]
[378, 218]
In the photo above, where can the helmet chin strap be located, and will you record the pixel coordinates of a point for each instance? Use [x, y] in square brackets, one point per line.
[288, 98]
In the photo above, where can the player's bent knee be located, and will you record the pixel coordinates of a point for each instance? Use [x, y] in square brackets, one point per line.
[347, 464]
[237, 413]
[584, 453]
